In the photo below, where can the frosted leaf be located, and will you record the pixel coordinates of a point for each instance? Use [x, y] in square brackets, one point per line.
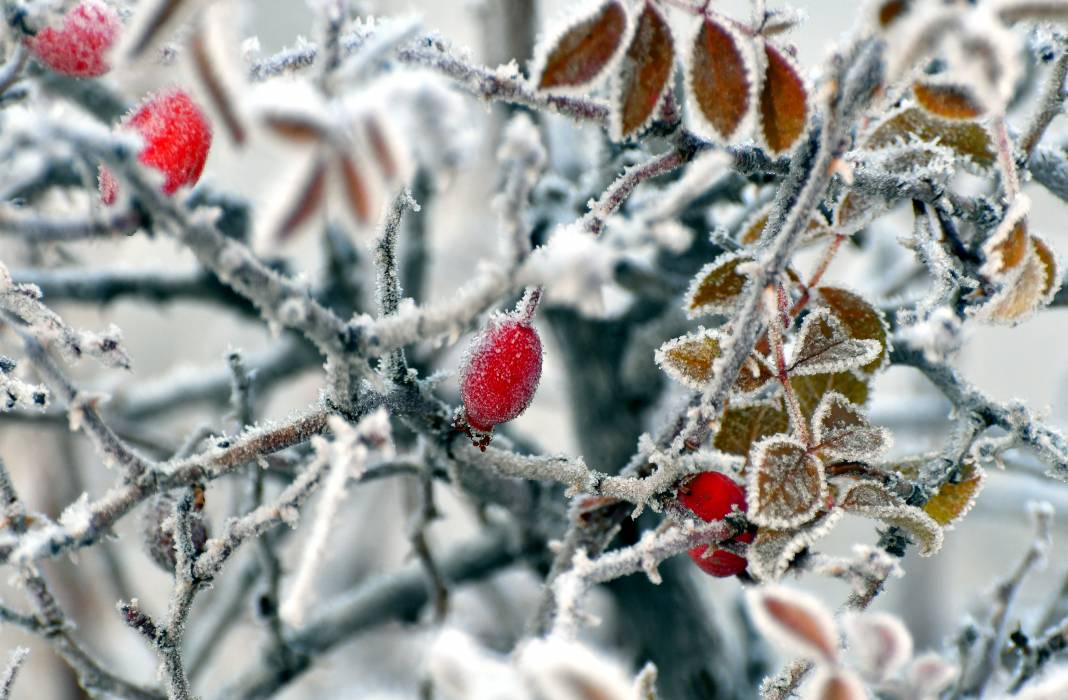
[953, 500]
[644, 74]
[794, 620]
[1006, 250]
[879, 644]
[856, 210]
[861, 320]
[841, 431]
[1022, 293]
[691, 359]
[824, 346]
[969, 140]
[873, 500]
[786, 483]
[565, 670]
[741, 426]
[717, 287]
[771, 551]
[947, 99]
[928, 675]
[583, 49]
[756, 372]
[783, 109]
[218, 66]
[835, 684]
[810, 389]
[722, 80]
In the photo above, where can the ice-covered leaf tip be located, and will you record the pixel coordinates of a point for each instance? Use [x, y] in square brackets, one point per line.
[501, 368]
[713, 496]
[691, 359]
[717, 287]
[581, 53]
[79, 46]
[177, 137]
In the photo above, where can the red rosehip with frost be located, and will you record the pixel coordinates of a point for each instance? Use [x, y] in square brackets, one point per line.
[79, 47]
[177, 137]
[501, 368]
[712, 496]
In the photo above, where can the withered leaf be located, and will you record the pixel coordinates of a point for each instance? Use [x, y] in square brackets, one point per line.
[1008, 246]
[753, 227]
[809, 389]
[644, 74]
[690, 359]
[795, 620]
[837, 684]
[786, 483]
[741, 426]
[783, 101]
[948, 100]
[823, 346]
[856, 210]
[772, 551]
[1021, 293]
[305, 201]
[355, 189]
[755, 373]
[841, 431]
[861, 319]
[967, 139]
[722, 78]
[717, 286]
[880, 644]
[953, 500]
[873, 500]
[1050, 266]
[889, 12]
[580, 55]
[216, 87]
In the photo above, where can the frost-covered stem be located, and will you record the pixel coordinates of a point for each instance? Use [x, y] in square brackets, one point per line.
[528, 305]
[1053, 641]
[47, 230]
[205, 466]
[1010, 178]
[1051, 103]
[185, 588]
[425, 513]
[83, 414]
[387, 278]
[1005, 593]
[14, 662]
[618, 192]
[12, 68]
[654, 547]
[776, 310]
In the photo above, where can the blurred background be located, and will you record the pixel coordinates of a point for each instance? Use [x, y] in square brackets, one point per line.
[52, 466]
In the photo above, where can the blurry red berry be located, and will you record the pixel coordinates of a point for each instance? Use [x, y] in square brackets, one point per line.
[79, 47]
[501, 371]
[712, 496]
[177, 138]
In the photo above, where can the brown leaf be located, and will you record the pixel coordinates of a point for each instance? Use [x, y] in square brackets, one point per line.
[948, 100]
[1051, 269]
[216, 87]
[718, 286]
[841, 431]
[783, 101]
[357, 194]
[772, 551]
[953, 500]
[741, 426]
[580, 55]
[644, 74]
[755, 373]
[722, 78]
[753, 227]
[1008, 247]
[879, 643]
[810, 389]
[786, 483]
[299, 128]
[382, 148]
[1020, 295]
[890, 11]
[795, 620]
[690, 359]
[837, 684]
[823, 346]
[873, 500]
[968, 140]
[861, 320]
[306, 201]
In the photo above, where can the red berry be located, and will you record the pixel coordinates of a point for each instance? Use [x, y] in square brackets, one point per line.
[177, 138]
[80, 46]
[500, 372]
[712, 496]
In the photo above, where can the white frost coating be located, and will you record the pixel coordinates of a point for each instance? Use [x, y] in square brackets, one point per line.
[823, 346]
[560, 669]
[462, 670]
[347, 454]
[736, 262]
[770, 555]
[940, 336]
[77, 517]
[571, 17]
[574, 267]
[701, 339]
[786, 484]
[840, 430]
[794, 620]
